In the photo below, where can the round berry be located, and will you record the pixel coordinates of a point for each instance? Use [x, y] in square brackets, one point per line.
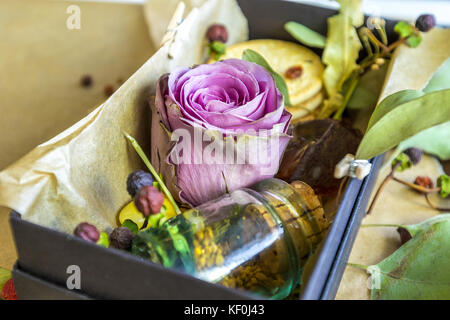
[414, 154]
[425, 22]
[120, 238]
[137, 180]
[217, 32]
[149, 200]
[87, 232]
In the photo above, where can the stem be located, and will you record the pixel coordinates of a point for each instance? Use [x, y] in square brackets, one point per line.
[382, 32]
[383, 184]
[341, 187]
[358, 266]
[417, 187]
[377, 42]
[382, 225]
[396, 44]
[144, 158]
[433, 206]
[347, 97]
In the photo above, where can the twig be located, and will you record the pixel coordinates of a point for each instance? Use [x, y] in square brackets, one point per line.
[347, 97]
[357, 265]
[417, 187]
[427, 197]
[144, 158]
[380, 225]
[383, 184]
[341, 187]
[377, 42]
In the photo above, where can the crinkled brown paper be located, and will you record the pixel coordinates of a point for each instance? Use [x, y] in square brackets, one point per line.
[80, 174]
[40, 69]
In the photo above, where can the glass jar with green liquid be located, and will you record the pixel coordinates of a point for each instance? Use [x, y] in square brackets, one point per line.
[257, 239]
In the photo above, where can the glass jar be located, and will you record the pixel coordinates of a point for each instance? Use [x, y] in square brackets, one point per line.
[257, 239]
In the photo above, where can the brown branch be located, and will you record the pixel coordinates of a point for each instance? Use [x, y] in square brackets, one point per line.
[417, 187]
[427, 197]
[382, 186]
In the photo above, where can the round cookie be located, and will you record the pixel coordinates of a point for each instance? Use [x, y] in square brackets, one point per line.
[305, 91]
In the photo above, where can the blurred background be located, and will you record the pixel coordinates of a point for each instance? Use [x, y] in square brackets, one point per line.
[394, 9]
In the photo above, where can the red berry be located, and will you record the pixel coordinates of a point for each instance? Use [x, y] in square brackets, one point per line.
[87, 232]
[9, 291]
[149, 200]
[424, 182]
[217, 32]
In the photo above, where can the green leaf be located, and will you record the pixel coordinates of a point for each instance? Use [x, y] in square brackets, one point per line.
[391, 102]
[368, 89]
[255, 57]
[5, 275]
[353, 10]
[403, 122]
[415, 229]
[414, 40]
[405, 162]
[440, 79]
[432, 141]
[305, 35]
[103, 240]
[419, 269]
[443, 182]
[133, 227]
[341, 53]
[404, 29]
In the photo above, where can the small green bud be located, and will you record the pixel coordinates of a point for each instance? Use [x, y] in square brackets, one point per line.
[405, 162]
[153, 220]
[103, 240]
[443, 182]
[414, 40]
[404, 29]
[218, 47]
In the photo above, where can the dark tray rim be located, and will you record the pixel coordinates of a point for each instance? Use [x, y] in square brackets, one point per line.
[328, 269]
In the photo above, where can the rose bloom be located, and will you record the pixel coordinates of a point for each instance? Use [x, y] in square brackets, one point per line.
[225, 102]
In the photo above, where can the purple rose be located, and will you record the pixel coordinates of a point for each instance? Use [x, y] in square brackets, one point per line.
[229, 105]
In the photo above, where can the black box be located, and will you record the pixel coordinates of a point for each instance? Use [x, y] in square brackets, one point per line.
[45, 254]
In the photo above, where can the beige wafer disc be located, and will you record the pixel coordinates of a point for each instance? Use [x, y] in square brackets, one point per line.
[305, 108]
[304, 90]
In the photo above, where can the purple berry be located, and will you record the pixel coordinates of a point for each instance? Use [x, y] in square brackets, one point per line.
[425, 22]
[414, 154]
[137, 180]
